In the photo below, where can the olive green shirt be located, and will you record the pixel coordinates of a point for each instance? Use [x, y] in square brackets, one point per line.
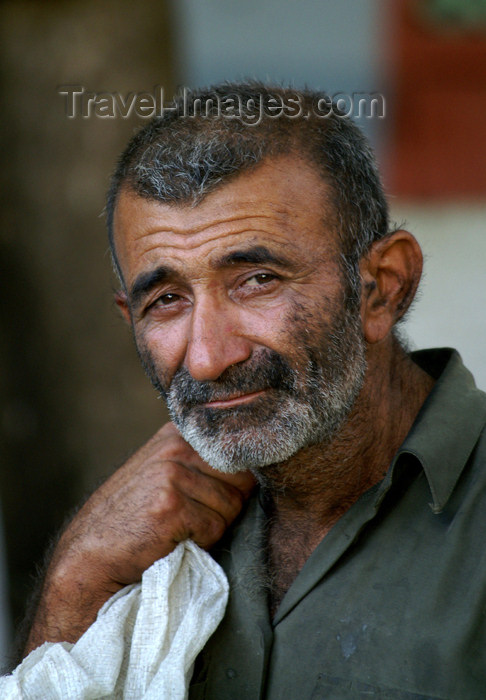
[392, 602]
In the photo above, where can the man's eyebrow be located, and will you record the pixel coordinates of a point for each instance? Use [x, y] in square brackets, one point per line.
[257, 255]
[146, 281]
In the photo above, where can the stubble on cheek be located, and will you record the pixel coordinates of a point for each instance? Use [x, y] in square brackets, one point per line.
[158, 376]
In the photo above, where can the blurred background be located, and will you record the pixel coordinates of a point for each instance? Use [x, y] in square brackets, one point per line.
[74, 401]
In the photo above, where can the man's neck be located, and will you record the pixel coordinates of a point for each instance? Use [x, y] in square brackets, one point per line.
[312, 490]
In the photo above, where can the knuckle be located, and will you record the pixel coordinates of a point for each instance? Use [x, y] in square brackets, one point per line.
[168, 429]
[170, 447]
[234, 500]
[168, 502]
[216, 530]
[171, 472]
[206, 531]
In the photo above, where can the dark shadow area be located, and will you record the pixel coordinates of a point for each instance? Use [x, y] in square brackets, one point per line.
[74, 400]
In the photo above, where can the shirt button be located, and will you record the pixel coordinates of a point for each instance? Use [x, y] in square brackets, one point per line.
[231, 673]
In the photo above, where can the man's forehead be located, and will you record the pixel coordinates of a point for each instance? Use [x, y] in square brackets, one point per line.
[281, 198]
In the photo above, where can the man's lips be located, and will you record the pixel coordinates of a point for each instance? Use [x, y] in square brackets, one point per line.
[234, 400]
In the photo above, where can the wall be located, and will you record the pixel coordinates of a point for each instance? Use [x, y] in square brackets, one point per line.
[450, 308]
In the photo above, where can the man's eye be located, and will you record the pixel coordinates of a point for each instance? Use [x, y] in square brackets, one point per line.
[166, 300]
[259, 279]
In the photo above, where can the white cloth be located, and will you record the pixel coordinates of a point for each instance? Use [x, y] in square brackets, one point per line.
[143, 643]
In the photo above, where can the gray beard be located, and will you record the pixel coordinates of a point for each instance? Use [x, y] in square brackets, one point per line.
[300, 407]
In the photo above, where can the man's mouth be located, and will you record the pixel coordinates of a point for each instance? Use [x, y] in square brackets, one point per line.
[235, 400]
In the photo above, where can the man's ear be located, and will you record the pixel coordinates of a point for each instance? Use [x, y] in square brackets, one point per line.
[390, 273]
[121, 301]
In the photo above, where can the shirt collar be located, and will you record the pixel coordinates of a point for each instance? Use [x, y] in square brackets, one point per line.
[448, 424]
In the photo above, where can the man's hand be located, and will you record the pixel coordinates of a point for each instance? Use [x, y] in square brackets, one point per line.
[164, 494]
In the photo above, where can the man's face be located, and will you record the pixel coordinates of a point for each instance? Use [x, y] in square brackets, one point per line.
[237, 306]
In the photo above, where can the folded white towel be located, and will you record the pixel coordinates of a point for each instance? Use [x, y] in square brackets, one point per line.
[143, 643]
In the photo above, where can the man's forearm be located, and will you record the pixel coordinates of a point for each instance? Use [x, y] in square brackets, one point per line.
[67, 604]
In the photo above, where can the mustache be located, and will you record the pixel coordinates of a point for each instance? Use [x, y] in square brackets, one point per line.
[266, 370]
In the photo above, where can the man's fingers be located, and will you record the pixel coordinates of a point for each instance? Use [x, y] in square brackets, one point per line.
[203, 525]
[169, 443]
[173, 487]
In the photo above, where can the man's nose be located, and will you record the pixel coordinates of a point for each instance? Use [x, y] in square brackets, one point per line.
[216, 341]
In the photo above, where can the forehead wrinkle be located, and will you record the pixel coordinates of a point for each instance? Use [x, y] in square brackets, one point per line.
[214, 223]
[189, 244]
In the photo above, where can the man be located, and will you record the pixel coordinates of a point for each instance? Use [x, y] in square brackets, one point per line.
[263, 286]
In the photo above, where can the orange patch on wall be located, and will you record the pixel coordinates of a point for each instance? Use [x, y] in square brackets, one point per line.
[438, 138]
